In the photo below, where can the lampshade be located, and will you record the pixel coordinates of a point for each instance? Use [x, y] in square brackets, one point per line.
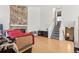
[68, 34]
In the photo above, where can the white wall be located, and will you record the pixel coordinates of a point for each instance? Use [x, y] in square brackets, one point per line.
[39, 17]
[70, 18]
[70, 14]
[4, 16]
[46, 16]
[33, 18]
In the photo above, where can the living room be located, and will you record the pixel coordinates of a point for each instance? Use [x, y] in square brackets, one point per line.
[42, 21]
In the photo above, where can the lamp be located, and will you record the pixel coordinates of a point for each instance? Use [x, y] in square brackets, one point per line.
[69, 27]
[68, 34]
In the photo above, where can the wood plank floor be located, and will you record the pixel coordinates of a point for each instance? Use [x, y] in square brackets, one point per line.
[45, 45]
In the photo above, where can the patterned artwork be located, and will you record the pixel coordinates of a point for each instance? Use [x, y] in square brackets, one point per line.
[18, 15]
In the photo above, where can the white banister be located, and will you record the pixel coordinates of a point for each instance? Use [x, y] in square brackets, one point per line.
[62, 32]
[50, 30]
[52, 24]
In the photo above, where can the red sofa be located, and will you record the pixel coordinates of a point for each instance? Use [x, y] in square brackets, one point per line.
[24, 41]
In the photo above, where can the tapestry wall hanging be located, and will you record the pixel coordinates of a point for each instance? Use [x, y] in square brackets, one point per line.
[18, 15]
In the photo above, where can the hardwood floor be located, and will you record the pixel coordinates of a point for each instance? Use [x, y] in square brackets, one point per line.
[45, 45]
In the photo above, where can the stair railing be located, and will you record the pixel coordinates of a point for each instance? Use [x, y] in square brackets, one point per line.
[63, 34]
[51, 26]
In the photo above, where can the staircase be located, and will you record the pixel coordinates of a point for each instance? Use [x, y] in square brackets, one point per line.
[55, 33]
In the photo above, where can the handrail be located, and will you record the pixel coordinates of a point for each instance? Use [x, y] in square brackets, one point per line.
[63, 34]
[51, 26]
[50, 29]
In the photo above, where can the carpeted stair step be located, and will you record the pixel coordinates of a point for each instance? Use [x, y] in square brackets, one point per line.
[55, 33]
